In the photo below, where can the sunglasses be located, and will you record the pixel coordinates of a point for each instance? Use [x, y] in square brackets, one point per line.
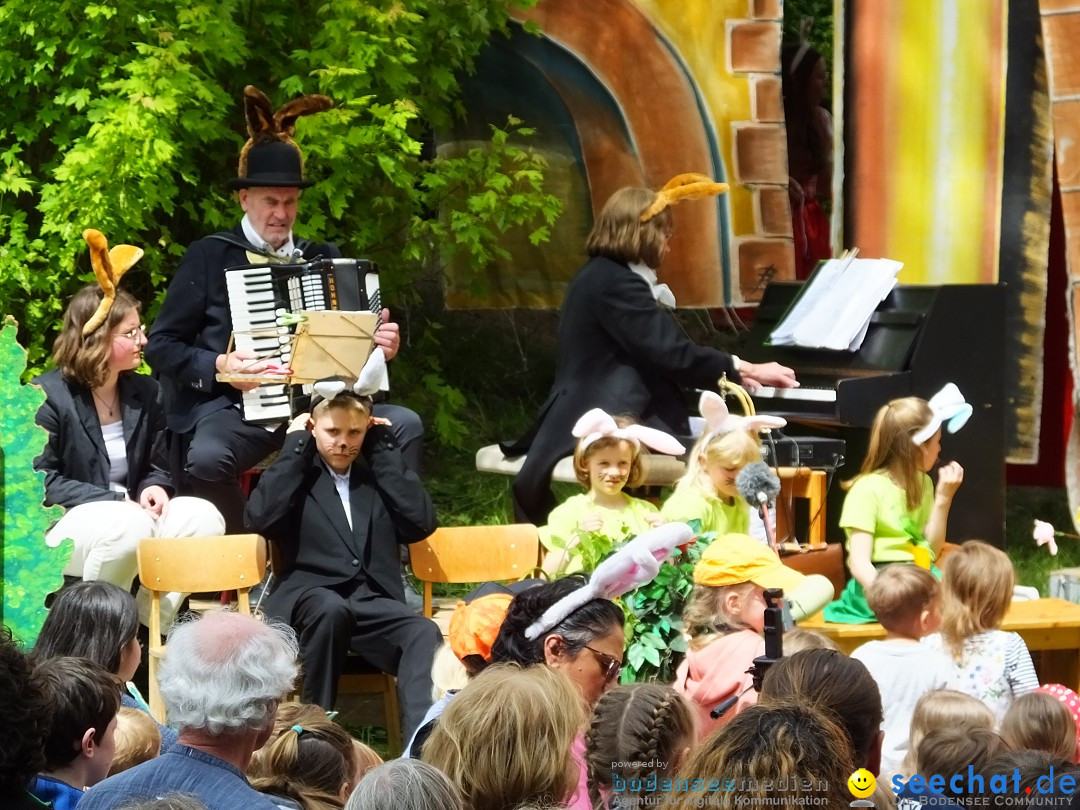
[611, 665]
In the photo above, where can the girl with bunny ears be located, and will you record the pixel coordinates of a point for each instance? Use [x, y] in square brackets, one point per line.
[707, 491]
[893, 512]
[607, 459]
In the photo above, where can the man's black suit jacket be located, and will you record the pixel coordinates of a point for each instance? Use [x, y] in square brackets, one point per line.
[75, 461]
[296, 506]
[194, 326]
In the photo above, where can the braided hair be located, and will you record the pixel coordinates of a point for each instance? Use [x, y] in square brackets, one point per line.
[636, 731]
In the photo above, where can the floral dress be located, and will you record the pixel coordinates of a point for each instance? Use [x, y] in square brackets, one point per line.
[994, 666]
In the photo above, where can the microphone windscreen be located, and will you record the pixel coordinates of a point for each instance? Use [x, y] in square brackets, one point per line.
[756, 477]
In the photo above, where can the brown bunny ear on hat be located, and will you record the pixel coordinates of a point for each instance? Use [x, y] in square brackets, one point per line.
[109, 267]
[687, 186]
[271, 158]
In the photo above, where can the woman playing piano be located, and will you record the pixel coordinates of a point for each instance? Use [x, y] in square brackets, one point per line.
[103, 459]
[893, 513]
[619, 349]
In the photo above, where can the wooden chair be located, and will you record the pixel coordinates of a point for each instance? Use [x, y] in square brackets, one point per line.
[194, 565]
[462, 554]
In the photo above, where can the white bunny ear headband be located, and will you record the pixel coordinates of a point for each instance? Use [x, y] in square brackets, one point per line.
[367, 381]
[635, 564]
[596, 424]
[719, 420]
[949, 409]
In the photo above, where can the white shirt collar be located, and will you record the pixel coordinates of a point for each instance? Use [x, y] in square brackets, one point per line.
[661, 292]
[254, 237]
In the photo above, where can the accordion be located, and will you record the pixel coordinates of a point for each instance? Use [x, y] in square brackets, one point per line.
[260, 293]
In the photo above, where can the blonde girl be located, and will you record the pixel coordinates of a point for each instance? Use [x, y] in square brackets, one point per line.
[942, 708]
[1040, 722]
[639, 735]
[724, 620]
[989, 664]
[609, 456]
[893, 512]
[707, 491]
[312, 764]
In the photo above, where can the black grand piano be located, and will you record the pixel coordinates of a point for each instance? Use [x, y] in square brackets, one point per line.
[919, 338]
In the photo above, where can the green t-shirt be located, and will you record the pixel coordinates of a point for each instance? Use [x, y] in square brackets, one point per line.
[562, 525]
[876, 505]
[715, 515]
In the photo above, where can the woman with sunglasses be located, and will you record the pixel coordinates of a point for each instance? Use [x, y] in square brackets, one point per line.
[587, 646]
[104, 461]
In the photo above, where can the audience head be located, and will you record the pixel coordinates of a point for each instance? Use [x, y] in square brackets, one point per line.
[174, 801]
[619, 234]
[224, 673]
[977, 586]
[893, 449]
[25, 715]
[906, 600]
[788, 743]
[405, 784]
[944, 708]
[610, 457]
[587, 645]
[716, 460]
[85, 360]
[833, 683]
[1042, 723]
[1070, 700]
[138, 739]
[950, 750]
[799, 638]
[94, 620]
[506, 737]
[635, 731]
[475, 624]
[730, 581]
[85, 698]
[312, 764]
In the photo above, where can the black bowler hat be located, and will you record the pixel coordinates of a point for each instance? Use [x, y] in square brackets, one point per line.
[273, 164]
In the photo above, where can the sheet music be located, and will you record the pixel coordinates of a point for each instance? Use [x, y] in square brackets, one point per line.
[834, 310]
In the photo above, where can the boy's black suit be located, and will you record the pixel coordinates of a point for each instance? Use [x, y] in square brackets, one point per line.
[340, 587]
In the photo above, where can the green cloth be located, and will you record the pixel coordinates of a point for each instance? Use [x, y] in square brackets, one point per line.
[691, 503]
[564, 521]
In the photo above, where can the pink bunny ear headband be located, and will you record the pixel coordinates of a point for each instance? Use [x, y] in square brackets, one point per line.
[719, 420]
[367, 381]
[596, 424]
[636, 563]
[949, 408]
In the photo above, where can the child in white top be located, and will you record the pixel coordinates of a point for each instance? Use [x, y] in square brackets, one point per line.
[907, 602]
[582, 530]
[988, 663]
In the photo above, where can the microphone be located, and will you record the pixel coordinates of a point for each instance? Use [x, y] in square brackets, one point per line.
[759, 486]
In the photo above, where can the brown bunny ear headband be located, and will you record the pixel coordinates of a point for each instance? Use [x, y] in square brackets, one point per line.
[690, 186]
[271, 158]
[109, 266]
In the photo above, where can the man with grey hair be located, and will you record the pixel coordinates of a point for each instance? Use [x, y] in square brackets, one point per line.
[221, 679]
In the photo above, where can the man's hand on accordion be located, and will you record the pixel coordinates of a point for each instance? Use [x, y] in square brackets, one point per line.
[240, 362]
[387, 336]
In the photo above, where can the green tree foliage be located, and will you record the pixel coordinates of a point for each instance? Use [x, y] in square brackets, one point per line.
[126, 116]
[28, 568]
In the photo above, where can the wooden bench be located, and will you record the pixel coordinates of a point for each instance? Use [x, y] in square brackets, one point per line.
[1049, 627]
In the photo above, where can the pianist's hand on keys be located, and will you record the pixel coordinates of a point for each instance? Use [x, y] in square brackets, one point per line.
[240, 361]
[756, 375]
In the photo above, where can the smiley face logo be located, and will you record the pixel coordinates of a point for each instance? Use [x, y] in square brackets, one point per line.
[861, 783]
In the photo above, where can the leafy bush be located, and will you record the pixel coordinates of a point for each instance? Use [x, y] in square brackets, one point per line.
[125, 116]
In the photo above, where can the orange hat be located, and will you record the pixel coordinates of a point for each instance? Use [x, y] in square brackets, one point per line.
[475, 625]
[737, 558]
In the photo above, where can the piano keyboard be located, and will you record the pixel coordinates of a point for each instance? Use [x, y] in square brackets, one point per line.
[258, 294]
[807, 394]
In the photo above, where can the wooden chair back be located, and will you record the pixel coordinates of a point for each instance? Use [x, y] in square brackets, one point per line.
[192, 565]
[461, 554]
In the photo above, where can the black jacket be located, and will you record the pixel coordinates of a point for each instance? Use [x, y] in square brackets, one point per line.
[75, 462]
[297, 507]
[194, 327]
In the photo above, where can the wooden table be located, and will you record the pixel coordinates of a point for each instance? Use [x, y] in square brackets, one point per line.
[1049, 627]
